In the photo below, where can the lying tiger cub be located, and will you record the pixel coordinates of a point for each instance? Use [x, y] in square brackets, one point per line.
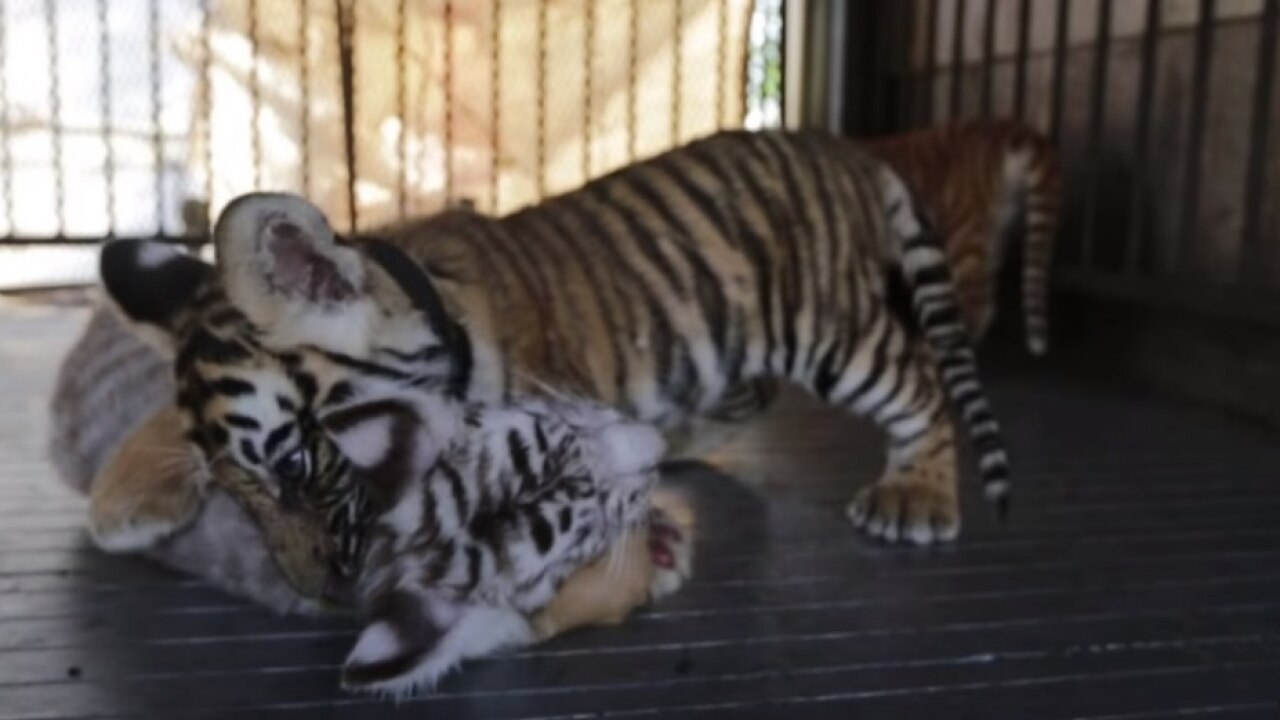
[553, 530]
[115, 439]
[466, 542]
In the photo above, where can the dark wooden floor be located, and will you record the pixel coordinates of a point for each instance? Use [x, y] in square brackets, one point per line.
[1138, 578]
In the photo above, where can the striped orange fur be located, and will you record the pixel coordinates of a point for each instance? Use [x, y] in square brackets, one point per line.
[983, 179]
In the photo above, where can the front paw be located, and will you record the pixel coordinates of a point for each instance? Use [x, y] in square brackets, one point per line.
[670, 553]
[904, 510]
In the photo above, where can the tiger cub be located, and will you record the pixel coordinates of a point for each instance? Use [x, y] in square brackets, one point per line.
[462, 555]
[118, 438]
[656, 289]
[984, 179]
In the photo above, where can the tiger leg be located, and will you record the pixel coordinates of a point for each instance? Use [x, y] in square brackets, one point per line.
[891, 381]
[975, 283]
[649, 563]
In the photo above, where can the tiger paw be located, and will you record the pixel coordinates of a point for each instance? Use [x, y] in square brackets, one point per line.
[670, 552]
[907, 511]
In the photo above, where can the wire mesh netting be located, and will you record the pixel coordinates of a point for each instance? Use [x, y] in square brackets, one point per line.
[142, 118]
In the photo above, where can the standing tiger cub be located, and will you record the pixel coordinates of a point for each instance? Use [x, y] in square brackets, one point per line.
[656, 289]
[983, 180]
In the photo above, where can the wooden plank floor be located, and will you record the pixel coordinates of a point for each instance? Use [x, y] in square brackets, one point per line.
[1139, 577]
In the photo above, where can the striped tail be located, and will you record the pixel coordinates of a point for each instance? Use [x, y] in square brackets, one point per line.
[933, 298]
[1041, 200]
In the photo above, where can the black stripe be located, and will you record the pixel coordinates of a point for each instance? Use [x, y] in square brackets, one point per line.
[519, 451]
[801, 246]
[277, 436]
[231, 387]
[645, 238]
[621, 273]
[340, 392]
[541, 530]
[249, 452]
[615, 330]
[244, 422]
[736, 183]
[456, 487]
[473, 567]
[706, 284]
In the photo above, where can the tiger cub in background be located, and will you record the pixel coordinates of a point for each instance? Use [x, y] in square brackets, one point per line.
[983, 180]
[656, 289]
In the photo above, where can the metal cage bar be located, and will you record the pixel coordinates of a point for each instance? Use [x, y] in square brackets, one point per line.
[157, 110]
[255, 96]
[957, 61]
[6, 133]
[304, 95]
[105, 108]
[449, 100]
[1136, 246]
[345, 16]
[1190, 201]
[1255, 257]
[1060, 36]
[495, 102]
[1097, 111]
[55, 118]
[985, 102]
[1020, 60]
[930, 68]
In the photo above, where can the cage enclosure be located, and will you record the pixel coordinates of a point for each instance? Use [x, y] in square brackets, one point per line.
[1133, 578]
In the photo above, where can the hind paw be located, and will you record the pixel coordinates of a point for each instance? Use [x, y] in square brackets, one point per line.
[907, 511]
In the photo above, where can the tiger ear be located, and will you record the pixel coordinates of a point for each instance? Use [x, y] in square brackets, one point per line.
[152, 285]
[284, 267]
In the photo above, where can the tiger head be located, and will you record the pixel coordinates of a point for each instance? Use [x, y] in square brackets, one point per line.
[248, 412]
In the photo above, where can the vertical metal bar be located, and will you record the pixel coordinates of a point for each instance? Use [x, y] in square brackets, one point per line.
[255, 100]
[632, 60]
[346, 64]
[957, 59]
[677, 50]
[1060, 34]
[1195, 134]
[722, 57]
[988, 56]
[1141, 135]
[157, 120]
[104, 89]
[6, 157]
[206, 105]
[541, 140]
[402, 172]
[304, 94]
[1254, 258]
[1020, 61]
[55, 116]
[930, 62]
[1097, 107]
[588, 76]
[448, 100]
[495, 102]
